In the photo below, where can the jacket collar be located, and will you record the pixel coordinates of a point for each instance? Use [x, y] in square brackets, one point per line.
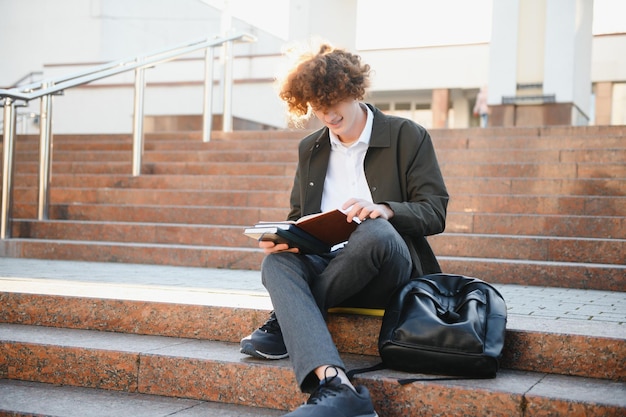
[381, 137]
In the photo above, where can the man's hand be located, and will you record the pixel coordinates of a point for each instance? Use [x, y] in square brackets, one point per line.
[270, 247]
[363, 209]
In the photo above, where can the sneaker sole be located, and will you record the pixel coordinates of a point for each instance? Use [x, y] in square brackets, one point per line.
[248, 349]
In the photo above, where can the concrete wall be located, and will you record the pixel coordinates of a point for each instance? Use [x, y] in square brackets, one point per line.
[63, 36]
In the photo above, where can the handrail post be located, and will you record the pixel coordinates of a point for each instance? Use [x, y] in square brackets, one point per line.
[8, 147]
[140, 83]
[45, 155]
[207, 112]
[227, 117]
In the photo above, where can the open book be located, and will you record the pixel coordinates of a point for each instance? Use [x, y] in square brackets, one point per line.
[316, 233]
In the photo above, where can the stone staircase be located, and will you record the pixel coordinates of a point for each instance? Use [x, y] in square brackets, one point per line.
[530, 208]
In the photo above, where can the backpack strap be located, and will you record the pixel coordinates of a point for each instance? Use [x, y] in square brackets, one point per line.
[377, 367]
[402, 381]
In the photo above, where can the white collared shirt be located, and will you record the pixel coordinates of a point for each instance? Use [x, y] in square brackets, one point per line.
[345, 177]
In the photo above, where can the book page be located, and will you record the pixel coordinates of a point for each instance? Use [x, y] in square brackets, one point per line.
[330, 227]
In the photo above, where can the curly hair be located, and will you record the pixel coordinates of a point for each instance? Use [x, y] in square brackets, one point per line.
[321, 80]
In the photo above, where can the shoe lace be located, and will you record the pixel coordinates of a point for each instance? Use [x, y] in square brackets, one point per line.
[326, 388]
[271, 325]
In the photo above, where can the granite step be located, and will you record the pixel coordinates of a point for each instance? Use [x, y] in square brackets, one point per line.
[177, 168]
[185, 181]
[551, 330]
[455, 185]
[545, 138]
[281, 155]
[164, 197]
[212, 371]
[480, 141]
[96, 143]
[159, 331]
[538, 248]
[533, 170]
[564, 225]
[28, 399]
[505, 271]
[609, 227]
[484, 203]
[452, 169]
[184, 155]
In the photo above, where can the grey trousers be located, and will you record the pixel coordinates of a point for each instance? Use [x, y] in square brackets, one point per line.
[364, 273]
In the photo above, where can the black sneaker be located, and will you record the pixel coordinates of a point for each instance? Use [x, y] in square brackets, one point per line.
[334, 399]
[266, 342]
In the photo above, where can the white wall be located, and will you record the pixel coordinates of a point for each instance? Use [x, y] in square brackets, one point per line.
[63, 36]
[44, 32]
[427, 68]
[608, 62]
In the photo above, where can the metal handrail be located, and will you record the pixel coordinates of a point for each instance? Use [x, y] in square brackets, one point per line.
[49, 87]
[28, 76]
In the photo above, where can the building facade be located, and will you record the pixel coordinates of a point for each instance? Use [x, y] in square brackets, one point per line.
[542, 65]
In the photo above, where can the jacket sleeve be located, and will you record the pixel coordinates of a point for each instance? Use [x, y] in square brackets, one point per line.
[308, 183]
[295, 211]
[422, 210]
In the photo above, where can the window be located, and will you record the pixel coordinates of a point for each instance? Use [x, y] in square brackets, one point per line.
[418, 112]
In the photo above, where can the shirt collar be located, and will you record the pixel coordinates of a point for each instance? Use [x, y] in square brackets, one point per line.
[366, 133]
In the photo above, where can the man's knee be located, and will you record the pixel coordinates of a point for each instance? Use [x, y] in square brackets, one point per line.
[274, 265]
[376, 231]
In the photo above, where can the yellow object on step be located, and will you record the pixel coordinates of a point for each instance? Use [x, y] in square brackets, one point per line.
[376, 312]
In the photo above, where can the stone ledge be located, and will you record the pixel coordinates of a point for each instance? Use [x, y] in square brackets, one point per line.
[214, 371]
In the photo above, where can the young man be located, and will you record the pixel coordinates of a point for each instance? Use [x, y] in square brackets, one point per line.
[380, 169]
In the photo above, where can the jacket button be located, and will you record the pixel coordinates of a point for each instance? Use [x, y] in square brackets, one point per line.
[373, 188]
[311, 184]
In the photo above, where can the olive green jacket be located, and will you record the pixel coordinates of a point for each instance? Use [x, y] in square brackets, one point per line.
[402, 171]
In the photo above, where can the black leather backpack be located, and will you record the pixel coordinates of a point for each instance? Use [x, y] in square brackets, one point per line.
[444, 324]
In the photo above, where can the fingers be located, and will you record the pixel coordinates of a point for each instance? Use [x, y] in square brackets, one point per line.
[363, 209]
[271, 247]
[355, 209]
[358, 209]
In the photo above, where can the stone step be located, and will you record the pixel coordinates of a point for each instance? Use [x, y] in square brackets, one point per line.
[610, 227]
[275, 152]
[457, 169]
[167, 197]
[549, 329]
[535, 248]
[564, 225]
[180, 136]
[134, 306]
[532, 170]
[65, 143]
[484, 203]
[455, 185]
[538, 248]
[207, 154]
[528, 142]
[578, 137]
[176, 168]
[28, 399]
[544, 250]
[190, 182]
[543, 131]
[180, 155]
[539, 204]
[214, 371]
[135, 232]
[608, 277]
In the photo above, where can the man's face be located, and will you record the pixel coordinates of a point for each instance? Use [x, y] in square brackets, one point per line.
[341, 118]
